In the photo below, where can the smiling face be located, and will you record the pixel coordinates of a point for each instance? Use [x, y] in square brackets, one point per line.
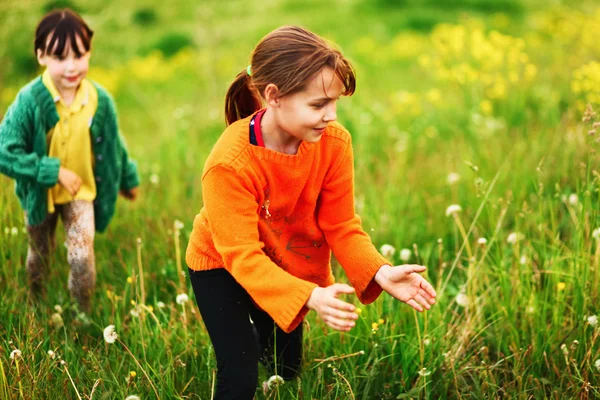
[304, 115]
[68, 69]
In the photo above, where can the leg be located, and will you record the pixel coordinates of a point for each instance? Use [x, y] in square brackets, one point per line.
[41, 244]
[224, 306]
[281, 352]
[78, 218]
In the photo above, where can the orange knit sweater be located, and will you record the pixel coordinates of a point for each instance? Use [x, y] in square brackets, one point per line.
[272, 219]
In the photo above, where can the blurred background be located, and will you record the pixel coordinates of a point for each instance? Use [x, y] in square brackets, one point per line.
[478, 103]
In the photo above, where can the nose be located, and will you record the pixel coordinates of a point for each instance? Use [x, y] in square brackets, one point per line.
[330, 113]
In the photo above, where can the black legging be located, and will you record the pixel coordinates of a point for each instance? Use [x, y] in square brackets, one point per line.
[239, 345]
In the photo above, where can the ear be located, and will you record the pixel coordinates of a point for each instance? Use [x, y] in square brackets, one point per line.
[272, 95]
[40, 58]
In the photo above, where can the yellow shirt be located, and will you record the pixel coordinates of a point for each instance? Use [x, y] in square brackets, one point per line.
[70, 141]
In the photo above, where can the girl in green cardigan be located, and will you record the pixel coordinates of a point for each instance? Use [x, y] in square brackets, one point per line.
[60, 141]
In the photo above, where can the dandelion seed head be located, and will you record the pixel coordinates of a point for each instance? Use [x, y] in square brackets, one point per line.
[514, 237]
[387, 250]
[178, 225]
[453, 209]
[16, 353]
[597, 364]
[424, 372]
[453, 178]
[274, 381]
[110, 336]
[132, 397]
[154, 179]
[182, 298]
[56, 321]
[592, 320]
[462, 300]
[52, 354]
[573, 199]
[160, 304]
[482, 241]
[405, 255]
[596, 234]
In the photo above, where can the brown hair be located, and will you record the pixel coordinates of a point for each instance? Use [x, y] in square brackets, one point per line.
[288, 57]
[62, 25]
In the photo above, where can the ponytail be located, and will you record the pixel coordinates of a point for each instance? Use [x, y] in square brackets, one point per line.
[241, 100]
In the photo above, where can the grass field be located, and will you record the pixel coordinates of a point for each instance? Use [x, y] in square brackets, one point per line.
[475, 103]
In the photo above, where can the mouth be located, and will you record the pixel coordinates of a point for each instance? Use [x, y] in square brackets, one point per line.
[320, 130]
[72, 78]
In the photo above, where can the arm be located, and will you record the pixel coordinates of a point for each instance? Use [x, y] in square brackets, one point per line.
[17, 159]
[231, 209]
[350, 244]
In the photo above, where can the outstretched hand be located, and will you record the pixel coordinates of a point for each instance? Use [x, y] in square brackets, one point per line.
[336, 313]
[130, 194]
[405, 284]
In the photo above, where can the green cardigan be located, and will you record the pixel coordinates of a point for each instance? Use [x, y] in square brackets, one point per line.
[24, 153]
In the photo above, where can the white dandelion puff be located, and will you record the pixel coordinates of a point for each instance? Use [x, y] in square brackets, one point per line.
[405, 255]
[596, 234]
[182, 298]
[16, 353]
[154, 179]
[515, 237]
[573, 199]
[110, 336]
[597, 364]
[453, 209]
[462, 300]
[592, 320]
[424, 372]
[387, 250]
[274, 381]
[52, 354]
[482, 241]
[178, 225]
[453, 178]
[56, 321]
[523, 260]
[132, 397]
[160, 304]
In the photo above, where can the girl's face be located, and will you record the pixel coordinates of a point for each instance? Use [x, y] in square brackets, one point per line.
[68, 69]
[304, 115]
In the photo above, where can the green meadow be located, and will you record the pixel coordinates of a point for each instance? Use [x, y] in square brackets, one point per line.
[476, 154]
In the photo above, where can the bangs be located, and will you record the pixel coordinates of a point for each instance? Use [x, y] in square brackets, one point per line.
[63, 28]
[343, 69]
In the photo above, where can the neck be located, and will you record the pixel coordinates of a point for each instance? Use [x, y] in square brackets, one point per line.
[274, 137]
[67, 95]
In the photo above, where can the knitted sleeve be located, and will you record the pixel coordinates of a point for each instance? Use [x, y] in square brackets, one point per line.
[17, 159]
[351, 246]
[232, 212]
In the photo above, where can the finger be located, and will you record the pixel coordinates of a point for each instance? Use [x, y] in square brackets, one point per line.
[339, 324]
[341, 314]
[409, 269]
[421, 300]
[339, 288]
[414, 305]
[428, 288]
[341, 305]
[427, 296]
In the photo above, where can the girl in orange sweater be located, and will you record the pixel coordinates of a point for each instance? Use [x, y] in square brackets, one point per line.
[278, 191]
